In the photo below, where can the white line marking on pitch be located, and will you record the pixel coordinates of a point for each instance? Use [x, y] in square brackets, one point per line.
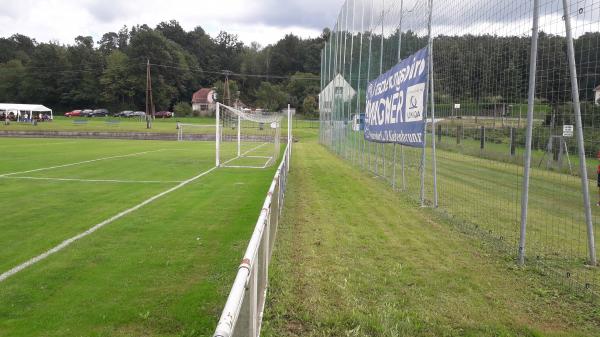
[99, 180]
[68, 242]
[79, 163]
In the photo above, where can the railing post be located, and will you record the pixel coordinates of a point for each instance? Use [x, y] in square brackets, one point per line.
[253, 301]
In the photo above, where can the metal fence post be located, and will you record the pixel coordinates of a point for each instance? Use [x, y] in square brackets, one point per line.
[427, 86]
[513, 141]
[529, 132]
[580, 143]
[369, 66]
[433, 152]
[399, 58]
[482, 137]
[362, 31]
[353, 147]
[394, 170]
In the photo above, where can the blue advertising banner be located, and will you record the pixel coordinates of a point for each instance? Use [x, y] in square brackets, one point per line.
[396, 102]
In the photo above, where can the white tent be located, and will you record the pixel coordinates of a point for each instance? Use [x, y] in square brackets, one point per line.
[21, 109]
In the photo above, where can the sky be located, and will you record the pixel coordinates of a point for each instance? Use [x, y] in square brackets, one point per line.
[263, 21]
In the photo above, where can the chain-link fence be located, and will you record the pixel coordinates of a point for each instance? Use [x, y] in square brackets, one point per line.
[487, 110]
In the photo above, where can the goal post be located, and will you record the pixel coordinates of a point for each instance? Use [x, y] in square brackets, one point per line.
[246, 139]
[243, 139]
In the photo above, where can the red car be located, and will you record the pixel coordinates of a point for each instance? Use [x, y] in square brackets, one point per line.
[74, 113]
[163, 114]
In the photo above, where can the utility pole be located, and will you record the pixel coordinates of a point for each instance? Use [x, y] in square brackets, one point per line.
[149, 102]
[226, 91]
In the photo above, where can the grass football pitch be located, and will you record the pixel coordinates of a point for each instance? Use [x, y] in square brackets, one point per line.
[163, 269]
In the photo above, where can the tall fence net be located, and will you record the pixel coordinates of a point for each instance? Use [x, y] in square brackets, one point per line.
[473, 166]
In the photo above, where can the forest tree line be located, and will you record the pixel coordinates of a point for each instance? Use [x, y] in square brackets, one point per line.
[111, 72]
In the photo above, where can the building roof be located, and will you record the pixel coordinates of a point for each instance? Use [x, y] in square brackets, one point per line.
[338, 82]
[204, 95]
[24, 107]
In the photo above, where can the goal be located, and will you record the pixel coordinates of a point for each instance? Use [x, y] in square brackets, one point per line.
[189, 131]
[246, 139]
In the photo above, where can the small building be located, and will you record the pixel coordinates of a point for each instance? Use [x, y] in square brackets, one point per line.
[20, 110]
[338, 90]
[204, 102]
[597, 95]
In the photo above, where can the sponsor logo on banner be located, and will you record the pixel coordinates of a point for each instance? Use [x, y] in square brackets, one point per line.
[396, 103]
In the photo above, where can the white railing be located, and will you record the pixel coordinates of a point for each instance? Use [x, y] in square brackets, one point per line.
[242, 315]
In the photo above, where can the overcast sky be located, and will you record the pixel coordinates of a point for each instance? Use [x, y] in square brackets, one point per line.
[264, 21]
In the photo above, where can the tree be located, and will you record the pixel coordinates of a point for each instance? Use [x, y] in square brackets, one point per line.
[11, 73]
[109, 42]
[309, 105]
[300, 86]
[117, 86]
[182, 109]
[271, 97]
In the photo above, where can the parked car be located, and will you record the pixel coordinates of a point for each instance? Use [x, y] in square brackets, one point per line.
[137, 114]
[123, 113]
[86, 112]
[74, 113]
[99, 113]
[163, 114]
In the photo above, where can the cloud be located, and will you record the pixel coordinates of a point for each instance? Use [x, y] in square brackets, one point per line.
[264, 21]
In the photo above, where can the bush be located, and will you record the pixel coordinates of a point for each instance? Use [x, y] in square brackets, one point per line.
[182, 109]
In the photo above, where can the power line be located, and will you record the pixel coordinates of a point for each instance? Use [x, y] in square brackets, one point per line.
[57, 70]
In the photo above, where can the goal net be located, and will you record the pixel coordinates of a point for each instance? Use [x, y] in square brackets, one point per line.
[246, 139]
[189, 131]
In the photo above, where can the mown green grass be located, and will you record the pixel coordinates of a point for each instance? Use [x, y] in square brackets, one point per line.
[353, 258]
[167, 125]
[99, 124]
[486, 194]
[164, 270]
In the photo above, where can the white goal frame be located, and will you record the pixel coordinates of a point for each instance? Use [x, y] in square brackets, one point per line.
[182, 126]
[273, 121]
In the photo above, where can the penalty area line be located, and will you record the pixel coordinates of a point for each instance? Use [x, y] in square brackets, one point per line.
[79, 163]
[98, 180]
[91, 230]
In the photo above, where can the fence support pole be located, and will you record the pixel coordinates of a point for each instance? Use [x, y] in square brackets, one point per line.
[399, 57]
[361, 141]
[529, 132]
[402, 166]
[289, 135]
[427, 88]
[580, 142]
[394, 170]
[513, 141]
[482, 137]
[433, 152]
